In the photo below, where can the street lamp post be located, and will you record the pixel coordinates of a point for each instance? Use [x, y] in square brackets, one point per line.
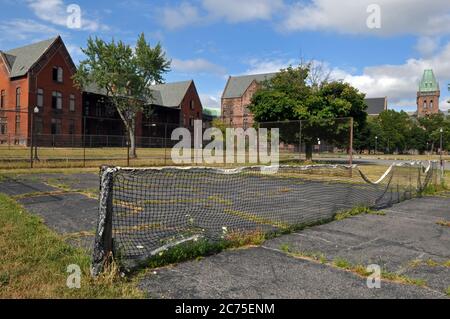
[376, 145]
[32, 142]
[36, 111]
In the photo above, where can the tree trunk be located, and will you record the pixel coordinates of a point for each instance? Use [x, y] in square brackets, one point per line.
[308, 151]
[132, 139]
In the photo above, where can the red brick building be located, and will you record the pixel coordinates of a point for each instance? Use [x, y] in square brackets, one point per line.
[237, 96]
[38, 75]
[173, 105]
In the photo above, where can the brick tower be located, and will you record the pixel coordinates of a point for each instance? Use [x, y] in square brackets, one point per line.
[428, 94]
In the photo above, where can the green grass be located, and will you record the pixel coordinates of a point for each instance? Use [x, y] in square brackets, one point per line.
[35, 260]
[203, 247]
[360, 210]
[447, 291]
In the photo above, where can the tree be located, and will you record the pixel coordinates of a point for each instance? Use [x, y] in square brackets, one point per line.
[289, 95]
[125, 75]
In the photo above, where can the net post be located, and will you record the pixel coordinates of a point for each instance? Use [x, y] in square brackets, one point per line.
[103, 237]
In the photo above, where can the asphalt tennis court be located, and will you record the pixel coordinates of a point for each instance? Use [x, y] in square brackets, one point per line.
[407, 234]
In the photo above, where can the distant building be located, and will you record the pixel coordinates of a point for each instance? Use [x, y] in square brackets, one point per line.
[236, 97]
[208, 116]
[376, 105]
[173, 104]
[428, 94]
[38, 75]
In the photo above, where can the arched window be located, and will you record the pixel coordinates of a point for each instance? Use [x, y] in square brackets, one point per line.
[18, 92]
[425, 104]
[57, 74]
[431, 104]
[2, 99]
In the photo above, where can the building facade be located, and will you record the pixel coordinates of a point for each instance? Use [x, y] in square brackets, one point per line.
[428, 94]
[237, 96]
[172, 105]
[38, 75]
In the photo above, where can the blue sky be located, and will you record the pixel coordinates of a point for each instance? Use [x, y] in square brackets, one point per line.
[208, 40]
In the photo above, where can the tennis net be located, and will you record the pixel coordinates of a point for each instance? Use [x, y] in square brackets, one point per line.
[146, 211]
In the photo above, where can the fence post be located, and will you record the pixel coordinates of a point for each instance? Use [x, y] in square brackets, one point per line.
[165, 144]
[103, 245]
[300, 143]
[31, 139]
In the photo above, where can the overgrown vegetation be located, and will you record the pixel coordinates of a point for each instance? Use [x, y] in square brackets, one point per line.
[360, 210]
[444, 223]
[34, 262]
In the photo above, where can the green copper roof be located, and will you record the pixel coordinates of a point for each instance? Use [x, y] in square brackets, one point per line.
[428, 82]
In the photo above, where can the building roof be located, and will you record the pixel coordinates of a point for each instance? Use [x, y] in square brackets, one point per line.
[428, 82]
[376, 105]
[21, 59]
[167, 94]
[237, 85]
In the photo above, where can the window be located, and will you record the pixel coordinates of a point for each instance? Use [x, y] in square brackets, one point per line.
[2, 99]
[57, 74]
[18, 93]
[86, 108]
[191, 122]
[425, 105]
[17, 124]
[40, 98]
[56, 126]
[3, 128]
[38, 125]
[72, 103]
[71, 127]
[431, 104]
[192, 104]
[56, 100]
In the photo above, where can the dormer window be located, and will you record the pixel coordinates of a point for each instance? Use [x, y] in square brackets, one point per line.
[58, 74]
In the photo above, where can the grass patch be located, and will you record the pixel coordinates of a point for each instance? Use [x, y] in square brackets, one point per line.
[447, 291]
[444, 223]
[35, 261]
[360, 210]
[386, 275]
[315, 256]
[432, 189]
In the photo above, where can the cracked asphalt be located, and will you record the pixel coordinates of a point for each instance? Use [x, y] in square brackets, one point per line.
[406, 241]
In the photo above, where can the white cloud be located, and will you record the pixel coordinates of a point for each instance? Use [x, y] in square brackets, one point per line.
[54, 11]
[239, 11]
[179, 16]
[19, 29]
[232, 11]
[258, 66]
[210, 100]
[427, 46]
[349, 16]
[197, 66]
[400, 82]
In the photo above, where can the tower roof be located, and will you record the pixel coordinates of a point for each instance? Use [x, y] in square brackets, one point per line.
[428, 82]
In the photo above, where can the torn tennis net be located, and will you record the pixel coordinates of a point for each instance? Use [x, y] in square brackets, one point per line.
[145, 211]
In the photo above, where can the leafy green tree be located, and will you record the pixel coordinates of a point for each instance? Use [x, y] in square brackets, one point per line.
[287, 96]
[432, 125]
[125, 75]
